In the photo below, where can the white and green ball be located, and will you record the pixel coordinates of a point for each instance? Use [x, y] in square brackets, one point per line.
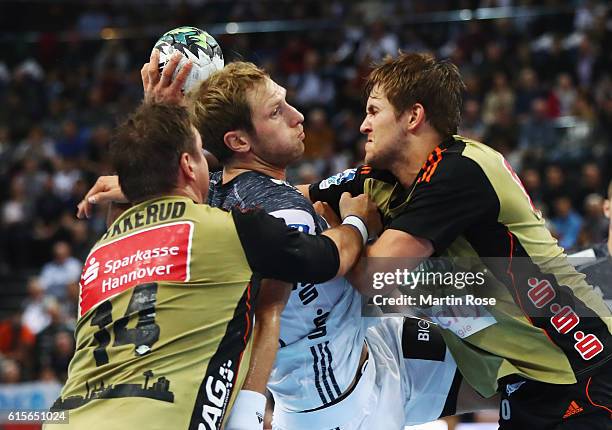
[195, 45]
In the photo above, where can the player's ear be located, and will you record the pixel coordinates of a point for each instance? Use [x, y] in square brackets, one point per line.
[237, 141]
[186, 163]
[413, 117]
[606, 208]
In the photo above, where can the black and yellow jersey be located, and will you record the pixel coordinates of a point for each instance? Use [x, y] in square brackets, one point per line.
[166, 312]
[550, 324]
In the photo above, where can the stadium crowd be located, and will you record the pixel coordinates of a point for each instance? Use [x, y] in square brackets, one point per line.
[539, 90]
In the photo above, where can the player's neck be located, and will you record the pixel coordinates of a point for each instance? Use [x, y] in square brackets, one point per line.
[407, 165]
[233, 169]
[188, 192]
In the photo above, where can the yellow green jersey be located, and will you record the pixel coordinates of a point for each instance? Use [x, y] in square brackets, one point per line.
[550, 325]
[166, 300]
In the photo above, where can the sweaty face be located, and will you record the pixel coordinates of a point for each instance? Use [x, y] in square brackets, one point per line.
[383, 130]
[279, 133]
[200, 167]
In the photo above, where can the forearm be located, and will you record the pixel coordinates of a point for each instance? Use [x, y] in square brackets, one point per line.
[273, 297]
[392, 249]
[348, 240]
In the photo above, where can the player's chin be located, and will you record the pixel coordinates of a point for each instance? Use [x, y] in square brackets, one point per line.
[370, 158]
[299, 149]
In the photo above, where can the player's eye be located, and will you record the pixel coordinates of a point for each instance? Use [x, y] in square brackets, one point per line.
[276, 111]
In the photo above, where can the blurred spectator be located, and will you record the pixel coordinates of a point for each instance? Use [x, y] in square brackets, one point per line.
[58, 358]
[528, 90]
[598, 269]
[16, 340]
[46, 346]
[555, 186]
[37, 146]
[70, 143]
[377, 44]
[62, 270]
[10, 372]
[65, 177]
[15, 221]
[48, 205]
[35, 316]
[112, 56]
[538, 136]
[591, 182]
[291, 58]
[502, 133]
[16, 210]
[471, 123]
[563, 96]
[532, 182]
[81, 240]
[97, 150]
[579, 139]
[595, 225]
[320, 136]
[346, 124]
[33, 179]
[493, 65]
[567, 223]
[550, 62]
[585, 62]
[311, 87]
[500, 98]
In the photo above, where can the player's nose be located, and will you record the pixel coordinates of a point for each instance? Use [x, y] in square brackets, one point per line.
[365, 126]
[297, 117]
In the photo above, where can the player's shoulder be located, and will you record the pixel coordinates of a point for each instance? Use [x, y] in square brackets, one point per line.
[259, 190]
[457, 160]
[359, 174]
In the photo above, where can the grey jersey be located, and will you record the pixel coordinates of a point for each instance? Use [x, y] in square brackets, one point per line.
[322, 332]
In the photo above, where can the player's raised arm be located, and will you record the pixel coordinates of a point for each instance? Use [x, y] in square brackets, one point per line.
[160, 87]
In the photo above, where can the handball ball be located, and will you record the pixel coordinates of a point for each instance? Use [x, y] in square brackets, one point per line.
[195, 45]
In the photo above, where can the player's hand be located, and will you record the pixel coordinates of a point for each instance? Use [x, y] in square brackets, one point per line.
[106, 189]
[162, 89]
[326, 211]
[364, 208]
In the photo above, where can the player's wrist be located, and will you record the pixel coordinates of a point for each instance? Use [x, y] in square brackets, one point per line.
[358, 224]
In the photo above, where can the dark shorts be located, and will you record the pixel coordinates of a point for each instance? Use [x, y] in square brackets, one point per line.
[586, 405]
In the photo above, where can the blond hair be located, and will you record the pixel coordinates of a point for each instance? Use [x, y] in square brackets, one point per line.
[220, 105]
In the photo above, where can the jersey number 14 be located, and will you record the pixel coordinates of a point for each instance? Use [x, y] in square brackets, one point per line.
[143, 336]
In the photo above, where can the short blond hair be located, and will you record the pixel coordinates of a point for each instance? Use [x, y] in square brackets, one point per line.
[220, 105]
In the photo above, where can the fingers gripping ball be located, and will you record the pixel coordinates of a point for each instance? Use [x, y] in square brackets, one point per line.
[195, 45]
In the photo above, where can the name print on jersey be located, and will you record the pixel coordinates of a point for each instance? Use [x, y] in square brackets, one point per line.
[159, 253]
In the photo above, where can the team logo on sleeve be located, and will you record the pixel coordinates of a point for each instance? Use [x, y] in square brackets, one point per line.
[338, 178]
